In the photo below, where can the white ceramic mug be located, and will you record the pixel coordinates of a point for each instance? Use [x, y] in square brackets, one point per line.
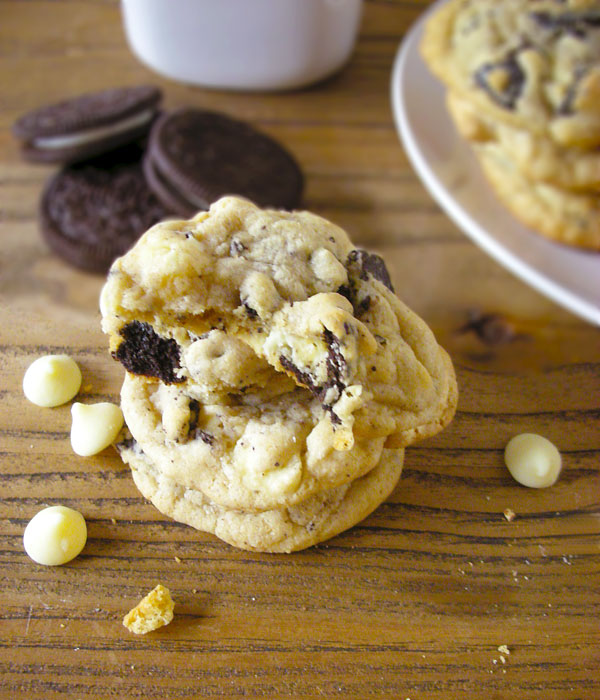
[243, 44]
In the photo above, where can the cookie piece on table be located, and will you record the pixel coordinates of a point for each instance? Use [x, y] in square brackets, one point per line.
[564, 216]
[93, 212]
[533, 64]
[293, 289]
[282, 529]
[197, 156]
[536, 156]
[153, 611]
[88, 125]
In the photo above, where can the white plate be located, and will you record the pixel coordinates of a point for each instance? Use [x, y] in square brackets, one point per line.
[452, 175]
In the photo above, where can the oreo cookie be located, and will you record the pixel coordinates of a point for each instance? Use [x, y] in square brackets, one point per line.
[85, 126]
[93, 212]
[196, 156]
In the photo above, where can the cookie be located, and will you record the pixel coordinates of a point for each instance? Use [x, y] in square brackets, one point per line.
[93, 212]
[531, 64]
[536, 156]
[283, 529]
[85, 126]
[292, 288]
[562, 215]
[155, 610]
[245, 453]
[197, 156]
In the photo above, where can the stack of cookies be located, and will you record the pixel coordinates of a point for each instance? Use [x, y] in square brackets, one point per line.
[523, 80]
[273, 378]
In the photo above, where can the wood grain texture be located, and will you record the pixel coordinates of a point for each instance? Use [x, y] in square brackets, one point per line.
[413, 602]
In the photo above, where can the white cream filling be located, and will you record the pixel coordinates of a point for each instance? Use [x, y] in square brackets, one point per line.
[82, 137]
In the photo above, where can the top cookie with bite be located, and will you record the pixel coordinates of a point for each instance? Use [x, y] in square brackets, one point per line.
[293, 303]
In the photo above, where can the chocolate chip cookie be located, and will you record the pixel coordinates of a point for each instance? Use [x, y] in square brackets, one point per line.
[282, 529]
[533, 64]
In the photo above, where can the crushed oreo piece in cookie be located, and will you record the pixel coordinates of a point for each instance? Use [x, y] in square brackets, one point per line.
[336, 371]
[236, 247]
[303, 378]
[252, 313]
[194, 407]
[194, 431]
[336, 365]
[204, 436]
[513, 86]
[359, 306]
[144, 352]
[369, 263]
[567, 106]
[576, 24]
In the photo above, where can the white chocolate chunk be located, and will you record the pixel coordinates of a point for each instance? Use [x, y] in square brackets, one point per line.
[52, 380]
[94, 427]
[55, 535]
[533, 460]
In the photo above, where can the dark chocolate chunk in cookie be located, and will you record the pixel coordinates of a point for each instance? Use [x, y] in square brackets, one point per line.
[362, 263]
[144, 352]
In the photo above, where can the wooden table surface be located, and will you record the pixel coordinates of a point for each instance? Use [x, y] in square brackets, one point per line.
[412, 603]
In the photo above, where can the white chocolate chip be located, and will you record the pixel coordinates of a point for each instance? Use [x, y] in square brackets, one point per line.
[95, 427]
[52, 380]
[532, 460]
[55, 535]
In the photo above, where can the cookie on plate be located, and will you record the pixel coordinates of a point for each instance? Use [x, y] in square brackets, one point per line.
[292, 287]
[197, 156]
[563, 215]
[85, 126]
[536, 156]
[281, 529]
[532, 64]
[93, 212]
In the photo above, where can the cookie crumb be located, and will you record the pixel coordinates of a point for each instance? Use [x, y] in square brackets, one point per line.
[177, 559]
[153, 611]
[509, 514]
[503, 648]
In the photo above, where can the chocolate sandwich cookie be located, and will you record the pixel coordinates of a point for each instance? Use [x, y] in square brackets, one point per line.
[85, 126]
[92, 212]
[196, 156]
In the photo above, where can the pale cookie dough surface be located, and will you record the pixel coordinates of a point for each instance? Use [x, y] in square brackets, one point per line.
[536, 156]
[562, 215]
[292, 302]
[534, 64]
[253, 457]
[318, 518]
